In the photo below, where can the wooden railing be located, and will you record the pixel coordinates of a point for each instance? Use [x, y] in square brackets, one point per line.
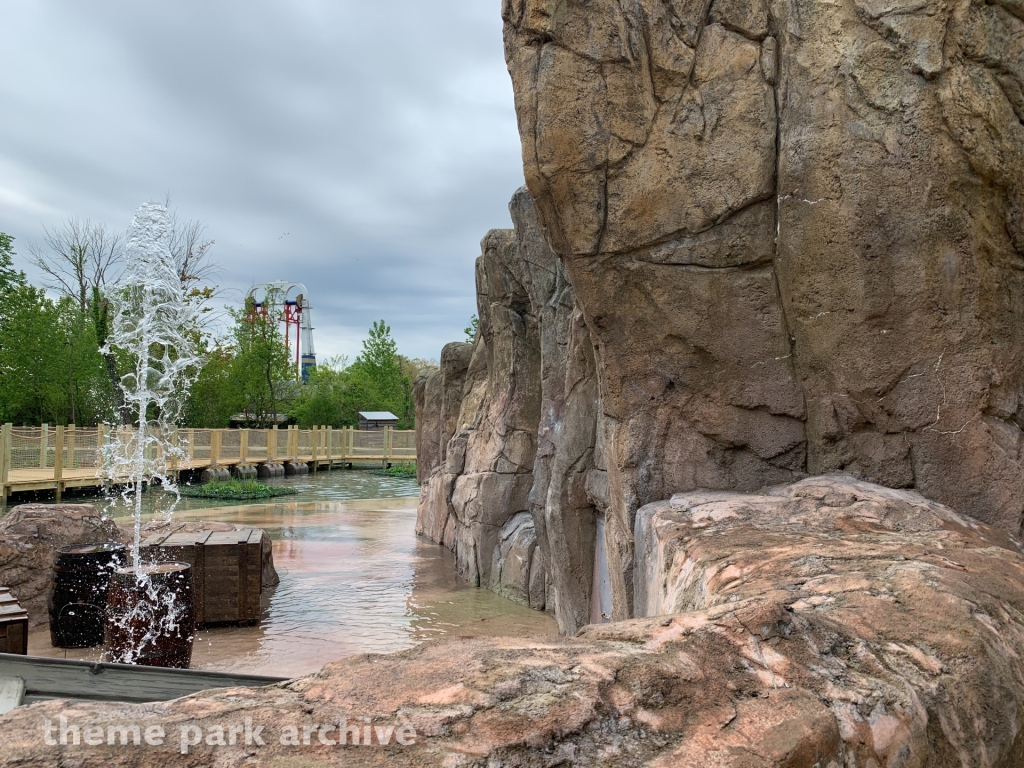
[59, 457]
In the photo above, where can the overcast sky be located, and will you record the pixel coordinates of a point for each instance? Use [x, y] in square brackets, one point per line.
[361, 148]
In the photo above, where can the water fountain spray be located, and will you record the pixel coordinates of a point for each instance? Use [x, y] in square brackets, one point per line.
[150, 325]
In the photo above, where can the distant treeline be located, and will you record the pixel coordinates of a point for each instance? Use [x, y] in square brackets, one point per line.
[53, 369]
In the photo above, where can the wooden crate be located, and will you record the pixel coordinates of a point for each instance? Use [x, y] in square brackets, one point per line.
[227, 570]
[13, 624]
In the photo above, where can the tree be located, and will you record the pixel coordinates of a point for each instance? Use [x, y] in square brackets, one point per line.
[79, 256]
[196, 269]
[472, 329]
[10, 278]
[382, 365]
[50, 366]
[214, 397]
[321, 399]
[260, 370]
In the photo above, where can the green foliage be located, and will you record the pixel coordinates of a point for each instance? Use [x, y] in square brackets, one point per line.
[10, 278]
[472, 329]
[50, 366]
[378, 380]
[263, 378]
[234, 490]
[402, 471]
[214, 397]
[321, 399]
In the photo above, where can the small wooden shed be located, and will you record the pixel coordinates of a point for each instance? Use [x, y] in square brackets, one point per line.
[372, 420]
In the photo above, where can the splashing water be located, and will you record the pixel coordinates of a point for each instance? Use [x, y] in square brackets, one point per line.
[150, 325]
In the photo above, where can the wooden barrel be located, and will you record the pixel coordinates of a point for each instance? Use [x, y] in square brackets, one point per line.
[77, 601]
[151, 615]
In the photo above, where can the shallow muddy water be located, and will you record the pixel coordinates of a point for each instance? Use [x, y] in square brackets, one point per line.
[354, 579]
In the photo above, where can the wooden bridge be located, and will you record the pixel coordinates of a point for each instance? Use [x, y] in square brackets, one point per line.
[58, 458]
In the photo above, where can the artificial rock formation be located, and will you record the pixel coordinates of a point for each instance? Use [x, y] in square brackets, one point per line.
[520, 482]
[829, 623]
[426, 395]
[795, 231]
[30, 535]
[477, 500]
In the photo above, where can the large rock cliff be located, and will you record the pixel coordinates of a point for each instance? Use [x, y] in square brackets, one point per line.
[476, 501]
[795, 232]
[517, 484]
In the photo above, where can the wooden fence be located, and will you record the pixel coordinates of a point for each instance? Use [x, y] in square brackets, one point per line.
[57, 458]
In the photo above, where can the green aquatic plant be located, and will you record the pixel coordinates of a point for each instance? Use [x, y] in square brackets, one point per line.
[240, 490]
[397, 470]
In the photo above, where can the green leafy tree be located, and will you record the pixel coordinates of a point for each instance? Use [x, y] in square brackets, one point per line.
[376, 381]
[262, 376]
[472, 329]
[322, 398]
[50, 367]
[215, 396]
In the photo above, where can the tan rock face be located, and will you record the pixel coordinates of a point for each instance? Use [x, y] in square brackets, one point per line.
[563, 512]
[827, 623]
[795, 232]
[426, 396]
[29, 537]
[477, 501]
[520, 411]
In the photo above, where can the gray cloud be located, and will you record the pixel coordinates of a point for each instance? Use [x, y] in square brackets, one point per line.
[380, 137]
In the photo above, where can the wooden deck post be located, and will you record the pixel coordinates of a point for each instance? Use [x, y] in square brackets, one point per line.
[389, 439]
[314, 438]
[71, 446]
[330, 448]
[243, 447]
[190, 435]
[272, 444]
[44, 438]
[216, 435]
[5, 462]
[58, 459]
[101, 441]
[174, 454]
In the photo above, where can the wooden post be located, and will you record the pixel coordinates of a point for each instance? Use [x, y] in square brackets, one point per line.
[312, 449]
[58, 460]
[295, 442]
[71, 446]
[174, 454]
[5, 463]
[101, 441]
[191, 437]
[44, 438]
[215, 440]
[272, 444]
[243, 446]
[351, 442]
[330, 448]
[389, 439]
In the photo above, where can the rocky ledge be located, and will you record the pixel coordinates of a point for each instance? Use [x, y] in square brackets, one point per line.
[827, 623]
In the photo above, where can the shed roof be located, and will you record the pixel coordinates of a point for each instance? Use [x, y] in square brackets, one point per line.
[378, 415]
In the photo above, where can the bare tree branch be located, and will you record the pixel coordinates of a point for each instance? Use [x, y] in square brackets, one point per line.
[78, 257]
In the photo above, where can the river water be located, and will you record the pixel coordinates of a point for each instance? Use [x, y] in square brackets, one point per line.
[354, 579]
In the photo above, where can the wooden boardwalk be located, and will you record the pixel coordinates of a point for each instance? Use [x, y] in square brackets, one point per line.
[59, 458]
